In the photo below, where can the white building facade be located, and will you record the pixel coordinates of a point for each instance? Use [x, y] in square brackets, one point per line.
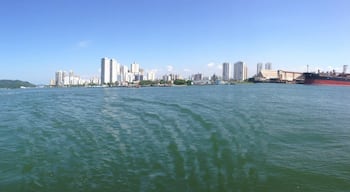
[105, 71]
[113, 70]
[240, 72]
[135, 68]
[151, 76]
[226, 71]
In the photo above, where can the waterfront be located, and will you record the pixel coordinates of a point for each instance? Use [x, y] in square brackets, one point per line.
[251, 137]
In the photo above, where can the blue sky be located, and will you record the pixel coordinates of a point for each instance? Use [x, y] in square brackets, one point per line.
[39, 37]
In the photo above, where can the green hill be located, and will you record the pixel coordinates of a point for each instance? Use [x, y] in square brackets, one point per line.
[13, 84]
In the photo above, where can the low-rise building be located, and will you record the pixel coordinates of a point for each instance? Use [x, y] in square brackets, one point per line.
[279, 76]
[266, 76]
[289, 76]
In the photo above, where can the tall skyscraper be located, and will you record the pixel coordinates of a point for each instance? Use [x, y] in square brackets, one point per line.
[268, 66]
[259, 68]
[226, 71]
[65, 78]
[113, 70]
[240, 71]
[124, 73]
[105, 71]
[71, 77]
[59, 78]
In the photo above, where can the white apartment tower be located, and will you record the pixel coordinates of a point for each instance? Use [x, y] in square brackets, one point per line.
[71, 77]
[151, 76]
[105, 71]
[135, 68]
[59, 78]
[226, 71]
[268, 66]
[124, 73]
[65, 78]
[113, 70]
[240, 71]
[110, 70]
[118, 70]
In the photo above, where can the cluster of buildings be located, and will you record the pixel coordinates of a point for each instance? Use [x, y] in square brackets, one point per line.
[230, 72]
[264, 73]
[171, 77]
[64, 79]
[114, 73]
[268, 75]
[259, 67]
[237, 71]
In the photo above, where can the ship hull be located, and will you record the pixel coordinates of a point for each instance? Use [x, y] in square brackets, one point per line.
[316, 79]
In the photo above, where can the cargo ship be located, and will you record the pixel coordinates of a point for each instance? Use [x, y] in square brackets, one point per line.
[315, 78]
[329, 78]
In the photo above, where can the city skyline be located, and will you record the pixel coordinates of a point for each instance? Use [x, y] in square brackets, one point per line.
[182, 37]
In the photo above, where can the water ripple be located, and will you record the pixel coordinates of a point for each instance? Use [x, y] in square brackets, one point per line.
[216, 138]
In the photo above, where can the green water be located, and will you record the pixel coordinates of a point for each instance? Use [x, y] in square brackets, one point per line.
[259, 137]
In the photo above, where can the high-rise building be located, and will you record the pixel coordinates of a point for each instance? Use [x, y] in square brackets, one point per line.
[113, 70]
[59, 78]
[268, 66]
[226, 71]
[135, 68]
[105, 71]
[259, 68]
[240, 71]
[151, 76]
[65, 78]
[118, 71]
[123, 73]
[197, 77]
[71, 77]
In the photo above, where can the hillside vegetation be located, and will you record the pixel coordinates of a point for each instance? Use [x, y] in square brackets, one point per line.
[13, 84]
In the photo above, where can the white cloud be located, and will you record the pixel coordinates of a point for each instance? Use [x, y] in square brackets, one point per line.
[187, 70]
[83, 44]
[211, 64]
[219, 66]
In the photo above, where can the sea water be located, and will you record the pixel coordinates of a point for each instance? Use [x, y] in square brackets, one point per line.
[249, 137]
